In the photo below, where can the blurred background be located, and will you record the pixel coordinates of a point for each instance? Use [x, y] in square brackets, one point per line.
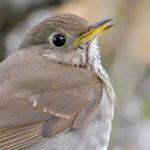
[125, 53]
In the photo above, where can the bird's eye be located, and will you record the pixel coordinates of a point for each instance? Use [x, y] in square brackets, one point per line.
[58, 40]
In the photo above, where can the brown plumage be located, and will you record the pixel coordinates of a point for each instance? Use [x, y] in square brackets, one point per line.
[47, 90]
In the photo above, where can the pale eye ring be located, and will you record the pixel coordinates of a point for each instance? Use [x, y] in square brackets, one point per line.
[58, 40]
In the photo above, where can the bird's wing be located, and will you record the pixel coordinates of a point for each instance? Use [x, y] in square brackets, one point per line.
[43, 98]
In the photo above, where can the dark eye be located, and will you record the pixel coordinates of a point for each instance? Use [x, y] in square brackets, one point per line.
[59, 40]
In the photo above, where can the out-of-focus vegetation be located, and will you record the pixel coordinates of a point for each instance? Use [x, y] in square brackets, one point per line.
[125, 53]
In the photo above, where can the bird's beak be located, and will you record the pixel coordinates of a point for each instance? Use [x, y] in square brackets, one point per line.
[94, 30]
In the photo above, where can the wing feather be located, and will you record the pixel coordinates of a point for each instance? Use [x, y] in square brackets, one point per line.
[42, 98]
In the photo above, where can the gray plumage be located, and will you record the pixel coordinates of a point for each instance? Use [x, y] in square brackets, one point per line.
[48, 91]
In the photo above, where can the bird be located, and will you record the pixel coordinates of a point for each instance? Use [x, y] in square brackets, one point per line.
[54, 92]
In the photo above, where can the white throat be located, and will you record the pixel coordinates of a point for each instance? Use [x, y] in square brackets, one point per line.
[96, 66]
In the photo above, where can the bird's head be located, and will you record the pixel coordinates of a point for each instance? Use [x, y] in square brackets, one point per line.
[65, 38]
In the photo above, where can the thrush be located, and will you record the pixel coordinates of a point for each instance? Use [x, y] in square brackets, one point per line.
[54, 92]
